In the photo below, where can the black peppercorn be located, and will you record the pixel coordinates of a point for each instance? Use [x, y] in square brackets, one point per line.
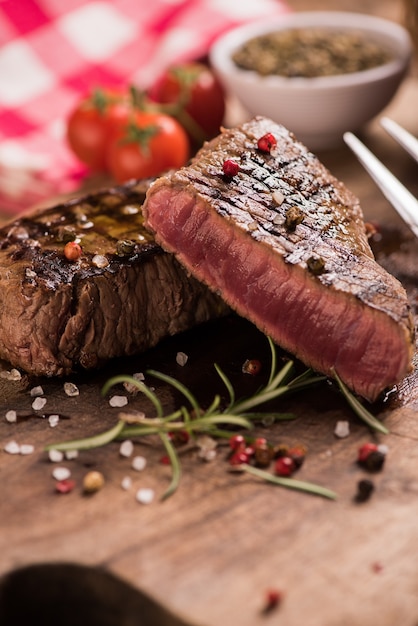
[365, 489]
[374, 461]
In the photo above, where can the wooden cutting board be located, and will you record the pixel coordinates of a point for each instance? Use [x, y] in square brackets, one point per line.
[209, 554]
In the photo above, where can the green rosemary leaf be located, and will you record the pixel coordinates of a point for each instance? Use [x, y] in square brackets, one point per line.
[260, 398]
[274, 417]
[134, 418]
[290, 483]
[304, 383]
[308, 377]
[222, 418]
[281, 376]
[359, 409]
[175, 466]
[273, 365]
[179, 386]
[227, 384]
[89, 442]
[139, 385]
[140, 431]
[185, 414]
[215, 404]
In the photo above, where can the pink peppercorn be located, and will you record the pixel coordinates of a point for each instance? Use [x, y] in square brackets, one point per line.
[266, 142]
[230, 168]
[284, 466]
[65, 486]
[365, 450]
[72, 251]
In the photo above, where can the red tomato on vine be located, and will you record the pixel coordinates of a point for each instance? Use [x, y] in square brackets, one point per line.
[91, 122]
[146, 145]
[199, 97]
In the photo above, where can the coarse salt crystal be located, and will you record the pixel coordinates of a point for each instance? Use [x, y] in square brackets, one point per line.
[278, 197]
[86, 224]
[13, 375]
[55, 456]
[27, 448]
[36, 391]
[342, 429]
[205, 442]
[131, 387]
[139, 463]
[12, 447]
[118, 401]
[61, 473]
[126, 448]
[129, 209]
[181, 358]
[11, 416]
[145, 496]
[38, 404]
[53, 420]
[326, 454]
[71, 454]
[99, 260]
[207, 455]
[126, 483]
[71, 390]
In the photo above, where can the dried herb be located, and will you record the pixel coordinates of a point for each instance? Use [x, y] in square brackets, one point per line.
[294, 216]
[310, 52]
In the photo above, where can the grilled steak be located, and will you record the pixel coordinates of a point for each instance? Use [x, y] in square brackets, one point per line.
[285, 245]
[121, 297]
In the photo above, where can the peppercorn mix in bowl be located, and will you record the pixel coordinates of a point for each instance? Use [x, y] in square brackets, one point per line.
[318, 73]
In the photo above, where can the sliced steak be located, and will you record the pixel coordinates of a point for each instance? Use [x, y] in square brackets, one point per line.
[285, 245]
[120, 298]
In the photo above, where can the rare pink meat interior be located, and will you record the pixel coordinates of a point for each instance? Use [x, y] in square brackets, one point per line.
[285, 245]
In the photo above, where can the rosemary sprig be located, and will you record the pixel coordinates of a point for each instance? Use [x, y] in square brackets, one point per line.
[190, 417]
[215, 421]
[290, 483]
[139, 385]
[359, 409]
[175, 466]
[90, 442]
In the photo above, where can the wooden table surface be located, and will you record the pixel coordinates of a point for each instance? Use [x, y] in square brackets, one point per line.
[207, 555]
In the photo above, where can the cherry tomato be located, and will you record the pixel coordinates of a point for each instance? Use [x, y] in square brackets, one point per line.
[199, 96]
[91, 122]
[147, 145]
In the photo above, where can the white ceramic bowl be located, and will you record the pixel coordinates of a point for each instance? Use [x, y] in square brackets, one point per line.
[318, 110]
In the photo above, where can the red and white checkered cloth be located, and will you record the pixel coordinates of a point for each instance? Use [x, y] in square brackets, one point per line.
[54, 51]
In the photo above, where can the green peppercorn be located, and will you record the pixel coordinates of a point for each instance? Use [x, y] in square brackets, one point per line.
[294, 216]
[316, 265]
[66, 234]
[124, 247]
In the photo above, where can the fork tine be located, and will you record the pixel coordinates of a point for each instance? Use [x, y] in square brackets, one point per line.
[402, 136]
[399, 197]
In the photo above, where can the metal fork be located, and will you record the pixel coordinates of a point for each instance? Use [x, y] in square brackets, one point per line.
[396, 193]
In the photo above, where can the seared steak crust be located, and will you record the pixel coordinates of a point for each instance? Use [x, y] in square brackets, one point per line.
[285, 244]
[122, 297]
